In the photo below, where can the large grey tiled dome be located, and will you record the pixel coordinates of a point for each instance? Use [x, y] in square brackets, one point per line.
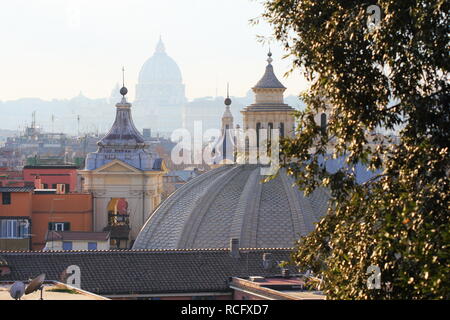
[231, 202]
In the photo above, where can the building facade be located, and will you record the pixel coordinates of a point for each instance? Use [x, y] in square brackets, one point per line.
[76, 240]
[15, 218]
[26, 215]
[59, 212]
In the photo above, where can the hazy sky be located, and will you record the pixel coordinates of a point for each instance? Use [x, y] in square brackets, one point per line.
[57, 48]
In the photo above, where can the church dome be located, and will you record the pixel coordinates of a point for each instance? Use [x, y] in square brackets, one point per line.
[160, 68]
[231, 202]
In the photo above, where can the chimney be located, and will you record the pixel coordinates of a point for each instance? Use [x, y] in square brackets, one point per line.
[60, 189]
[267, 261]
[234, 247]
[37, 182]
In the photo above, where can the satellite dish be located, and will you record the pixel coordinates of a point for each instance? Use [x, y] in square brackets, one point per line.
[35, 284]
[17, 290]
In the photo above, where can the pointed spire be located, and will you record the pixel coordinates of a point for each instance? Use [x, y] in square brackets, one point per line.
[269, 59]
[228, 100]
[269, 80]
[123, 90]
[227, 113]
[160, 48]
[123, 76]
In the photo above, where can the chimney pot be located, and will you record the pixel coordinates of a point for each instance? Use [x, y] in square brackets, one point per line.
[285, 273]
[234, 247]
[267, 260]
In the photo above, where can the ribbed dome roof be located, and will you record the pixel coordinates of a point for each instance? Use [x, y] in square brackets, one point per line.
[160, 68]
[231, 202]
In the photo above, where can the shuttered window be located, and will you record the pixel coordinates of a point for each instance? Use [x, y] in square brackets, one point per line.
[59, 226]
[6, 197]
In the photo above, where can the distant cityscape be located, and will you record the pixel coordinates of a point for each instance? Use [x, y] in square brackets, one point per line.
[160, 89]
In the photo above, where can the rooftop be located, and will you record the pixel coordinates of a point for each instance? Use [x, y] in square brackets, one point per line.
[147, 271]
[50, 166]
[52, 291]
[277, 288]
[17, 189]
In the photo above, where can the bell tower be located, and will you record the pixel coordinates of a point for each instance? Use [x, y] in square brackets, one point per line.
[268, 110]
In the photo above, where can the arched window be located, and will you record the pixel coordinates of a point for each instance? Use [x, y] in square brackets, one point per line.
[269, 133]
[118, 217]
[247, 145]
[224, 146]
[258, 126]
[281, 129]
[118, 212]
[323, 122]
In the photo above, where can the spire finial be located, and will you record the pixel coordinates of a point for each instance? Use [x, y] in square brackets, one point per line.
[160, 46]
[123, 76]
[123, 90]
[228, 100]
[269, 59]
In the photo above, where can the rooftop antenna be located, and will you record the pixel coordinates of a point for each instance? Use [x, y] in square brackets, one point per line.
[33, 119]
[53, 122]
[78, 121]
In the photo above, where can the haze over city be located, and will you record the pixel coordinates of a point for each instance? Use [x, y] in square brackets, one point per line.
[55, 49]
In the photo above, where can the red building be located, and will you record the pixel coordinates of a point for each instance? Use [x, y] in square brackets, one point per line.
[27, 215]
[15, 218]
[49, 176]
